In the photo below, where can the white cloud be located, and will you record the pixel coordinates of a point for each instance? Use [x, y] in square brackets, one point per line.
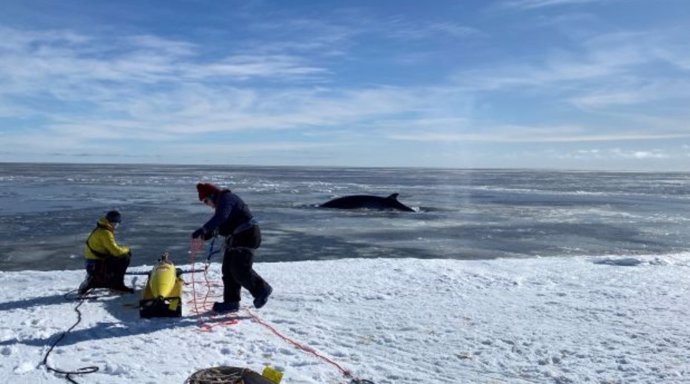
[602, 61]
[404, 29]
[246, 67]
[638, 91]
[653, 155]
[602, 99]
[529, 134]
[558, 68]
[32, 59]
[533, 4]
[616, 154]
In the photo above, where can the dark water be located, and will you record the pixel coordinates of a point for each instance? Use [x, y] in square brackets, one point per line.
[48, 210]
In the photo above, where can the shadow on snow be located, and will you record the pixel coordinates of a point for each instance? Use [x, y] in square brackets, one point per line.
[127, 321]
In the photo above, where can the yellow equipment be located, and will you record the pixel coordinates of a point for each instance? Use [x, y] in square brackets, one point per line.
[272, 374]
[162, 296]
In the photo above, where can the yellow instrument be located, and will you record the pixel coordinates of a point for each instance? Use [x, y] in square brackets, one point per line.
[272, 374]
[162, 296]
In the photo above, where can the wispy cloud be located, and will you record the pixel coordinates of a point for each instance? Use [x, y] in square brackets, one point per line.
[605, 74]
[617, 153]
[245, 67]
[533, 4]
[31, 58]
[601, 58]
[528, 134]
[152, 81]
[404, 29]
[159, 89]
[633, 92]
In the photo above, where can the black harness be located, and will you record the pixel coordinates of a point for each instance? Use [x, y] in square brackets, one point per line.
[100, 255]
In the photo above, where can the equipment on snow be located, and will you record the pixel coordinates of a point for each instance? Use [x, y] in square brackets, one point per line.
[228, 375]
[163, 292]
[272, 374]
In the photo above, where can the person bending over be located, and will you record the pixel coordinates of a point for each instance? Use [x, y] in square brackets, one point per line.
[234, 221]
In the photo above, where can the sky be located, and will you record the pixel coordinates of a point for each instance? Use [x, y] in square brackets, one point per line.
[565, 84]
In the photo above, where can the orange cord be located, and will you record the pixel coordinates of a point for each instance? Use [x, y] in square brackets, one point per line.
[197, 245]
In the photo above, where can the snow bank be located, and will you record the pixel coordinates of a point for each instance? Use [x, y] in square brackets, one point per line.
[402, 321]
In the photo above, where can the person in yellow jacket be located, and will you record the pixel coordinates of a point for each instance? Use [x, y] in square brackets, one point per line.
[105, 261]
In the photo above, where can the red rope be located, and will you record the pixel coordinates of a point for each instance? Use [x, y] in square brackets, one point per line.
[195, 248]
[197, 245]
[303, 347]
[208, 286]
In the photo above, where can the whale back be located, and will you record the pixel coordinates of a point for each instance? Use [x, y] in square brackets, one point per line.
[367, 202]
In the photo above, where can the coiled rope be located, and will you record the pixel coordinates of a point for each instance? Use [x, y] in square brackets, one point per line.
[80, 371]
[220, 375]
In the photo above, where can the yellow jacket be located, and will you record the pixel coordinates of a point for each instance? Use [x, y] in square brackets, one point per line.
[102, 243]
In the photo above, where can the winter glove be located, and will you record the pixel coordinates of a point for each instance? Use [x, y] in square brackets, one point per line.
[199, 233]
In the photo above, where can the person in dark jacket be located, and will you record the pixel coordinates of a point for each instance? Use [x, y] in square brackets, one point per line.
[234, 221]
[105, 261]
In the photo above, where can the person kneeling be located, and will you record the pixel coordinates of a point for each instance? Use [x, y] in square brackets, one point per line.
[105, 261]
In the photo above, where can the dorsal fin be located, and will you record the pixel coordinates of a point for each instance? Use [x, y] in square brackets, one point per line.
[393, 196]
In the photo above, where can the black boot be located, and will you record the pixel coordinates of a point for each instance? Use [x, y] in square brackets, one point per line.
[85, 285]
[261, 299]
[226, 307]
[122, 288]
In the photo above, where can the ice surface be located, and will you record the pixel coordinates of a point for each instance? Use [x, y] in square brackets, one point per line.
[393, 321]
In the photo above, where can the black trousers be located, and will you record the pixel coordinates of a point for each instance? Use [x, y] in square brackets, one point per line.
[107, 272]
[237, 265]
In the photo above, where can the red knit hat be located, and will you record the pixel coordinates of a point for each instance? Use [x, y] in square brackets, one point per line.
[206, 190]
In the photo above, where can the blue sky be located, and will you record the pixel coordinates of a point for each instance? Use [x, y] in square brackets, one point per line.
[575, 84]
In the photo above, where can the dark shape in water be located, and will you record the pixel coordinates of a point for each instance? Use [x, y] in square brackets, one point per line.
[369, 202]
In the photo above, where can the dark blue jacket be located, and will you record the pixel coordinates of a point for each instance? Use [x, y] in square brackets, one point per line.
[232, 215]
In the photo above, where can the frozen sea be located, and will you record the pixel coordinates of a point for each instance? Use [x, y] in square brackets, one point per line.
[48, 210]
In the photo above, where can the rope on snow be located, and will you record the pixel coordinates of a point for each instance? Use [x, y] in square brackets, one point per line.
[308, 349]
[195, 248]
[216, 375]
[79, 371]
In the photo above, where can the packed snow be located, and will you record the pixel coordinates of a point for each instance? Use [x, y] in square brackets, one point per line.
[402, 321]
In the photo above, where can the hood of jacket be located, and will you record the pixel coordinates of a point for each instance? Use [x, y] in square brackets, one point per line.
[105, 224]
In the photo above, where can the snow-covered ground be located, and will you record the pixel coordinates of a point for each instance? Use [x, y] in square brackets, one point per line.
[402, 321]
